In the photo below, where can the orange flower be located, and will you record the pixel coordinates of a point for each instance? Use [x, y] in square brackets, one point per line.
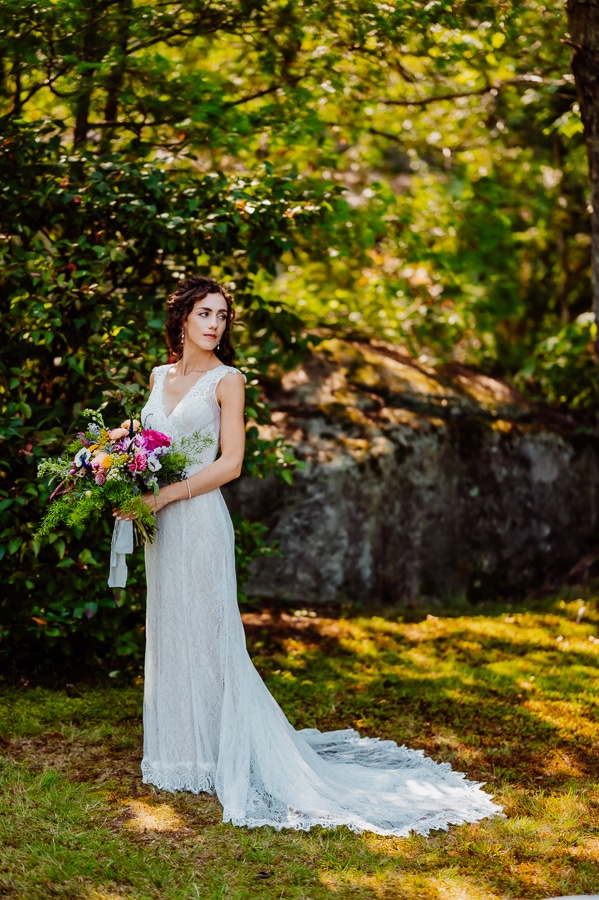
[107, 461]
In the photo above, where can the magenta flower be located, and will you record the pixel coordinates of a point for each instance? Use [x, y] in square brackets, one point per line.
[153, 439]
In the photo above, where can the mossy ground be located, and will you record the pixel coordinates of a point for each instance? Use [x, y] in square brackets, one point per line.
[508, 695]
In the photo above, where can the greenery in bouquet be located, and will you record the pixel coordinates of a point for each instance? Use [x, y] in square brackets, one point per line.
[104, 469]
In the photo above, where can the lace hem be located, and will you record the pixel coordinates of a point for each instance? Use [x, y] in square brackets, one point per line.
[424, 827]
[195, 779]
[457, 800]
[472, 807]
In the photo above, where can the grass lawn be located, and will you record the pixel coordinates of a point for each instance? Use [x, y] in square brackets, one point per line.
[508, 695]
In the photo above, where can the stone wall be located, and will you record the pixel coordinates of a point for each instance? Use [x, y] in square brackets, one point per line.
[417, 481]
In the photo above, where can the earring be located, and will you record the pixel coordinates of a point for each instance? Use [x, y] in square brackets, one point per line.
[218, 346]
[182, 337]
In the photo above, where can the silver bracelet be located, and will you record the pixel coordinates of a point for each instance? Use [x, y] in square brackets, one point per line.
[188, 487]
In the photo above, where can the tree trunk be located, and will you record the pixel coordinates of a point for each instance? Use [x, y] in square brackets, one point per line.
[114, 82]
[583, 20]
[89, 55]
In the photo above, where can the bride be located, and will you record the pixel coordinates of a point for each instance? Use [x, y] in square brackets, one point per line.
[210, 724]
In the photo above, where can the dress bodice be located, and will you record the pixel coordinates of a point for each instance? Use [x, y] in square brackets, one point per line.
[197, 411]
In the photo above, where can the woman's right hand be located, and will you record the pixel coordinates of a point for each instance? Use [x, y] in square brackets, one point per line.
[122, 517]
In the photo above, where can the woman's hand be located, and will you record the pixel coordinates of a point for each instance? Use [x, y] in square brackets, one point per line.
[155, 503]
[122, 517]
[168, 494]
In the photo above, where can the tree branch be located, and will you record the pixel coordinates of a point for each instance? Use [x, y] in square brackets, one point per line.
[478, 92]
[386, 134]
[48, 82]
[262, 93]
[397, 139]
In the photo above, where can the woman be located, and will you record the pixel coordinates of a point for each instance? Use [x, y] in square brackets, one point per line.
[210, 723]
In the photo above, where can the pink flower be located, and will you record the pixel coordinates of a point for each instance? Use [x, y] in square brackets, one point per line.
[139, 463]
[116, 433]
[153, 439]
[100, 476]
[98, 458]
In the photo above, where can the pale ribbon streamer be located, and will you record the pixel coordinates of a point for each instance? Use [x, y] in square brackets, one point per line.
[122, 543]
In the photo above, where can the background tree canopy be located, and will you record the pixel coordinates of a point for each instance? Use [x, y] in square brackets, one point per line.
[408, 171]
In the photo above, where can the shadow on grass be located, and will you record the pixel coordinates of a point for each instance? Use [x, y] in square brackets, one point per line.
[73, 840]
[497, 696]
[500, 697]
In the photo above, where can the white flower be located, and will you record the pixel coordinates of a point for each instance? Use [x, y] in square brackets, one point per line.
[88, 493]
[82, 455]
[154, 463]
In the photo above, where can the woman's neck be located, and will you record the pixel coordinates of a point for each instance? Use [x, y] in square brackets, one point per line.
[197, 363]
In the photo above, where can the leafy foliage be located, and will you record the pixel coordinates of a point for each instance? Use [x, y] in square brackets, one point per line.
[87, 263]
[407, 170]
[563, 365]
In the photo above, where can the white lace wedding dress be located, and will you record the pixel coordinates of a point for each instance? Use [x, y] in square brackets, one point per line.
[210, 723]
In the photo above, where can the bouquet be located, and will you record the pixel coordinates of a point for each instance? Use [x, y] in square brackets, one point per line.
[104, 469]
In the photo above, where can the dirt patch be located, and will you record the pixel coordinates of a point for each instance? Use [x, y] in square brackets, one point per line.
[267, 630]
[78, 760]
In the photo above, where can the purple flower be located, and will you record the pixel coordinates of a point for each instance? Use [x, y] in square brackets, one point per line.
[121, 446]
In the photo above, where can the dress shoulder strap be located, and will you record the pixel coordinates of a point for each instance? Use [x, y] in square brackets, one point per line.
[206, 387]
[221, 371]
[159, 372]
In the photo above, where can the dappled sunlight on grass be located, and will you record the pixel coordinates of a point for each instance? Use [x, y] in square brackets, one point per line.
[142, 816]
[519, 856]
[566, 715]
[508, 697]
[441, 886]
[588, 850]
[452, 686]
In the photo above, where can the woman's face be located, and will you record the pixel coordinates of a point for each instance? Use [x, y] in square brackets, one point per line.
[206, 322]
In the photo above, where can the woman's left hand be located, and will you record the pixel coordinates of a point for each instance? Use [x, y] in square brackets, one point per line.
[155, 501]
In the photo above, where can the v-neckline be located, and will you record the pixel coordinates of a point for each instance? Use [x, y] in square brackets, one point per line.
[187, 392]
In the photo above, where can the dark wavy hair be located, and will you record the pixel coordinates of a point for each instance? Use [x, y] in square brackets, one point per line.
[180, 304]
